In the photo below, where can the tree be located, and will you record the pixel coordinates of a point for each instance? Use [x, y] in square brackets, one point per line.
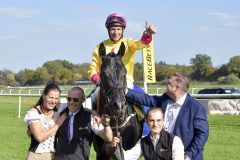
[138, 72]
[66, 76]
[234, 66]
[202, 66]
[171, 69]
[2, 78]
[41, 76]
[83, 70]
[186, 70]
[52, 66]
[11, 81]
[25, 77]
[222, 71]
[77, 76]
[161, 71]
[56, 78]
[230, 79]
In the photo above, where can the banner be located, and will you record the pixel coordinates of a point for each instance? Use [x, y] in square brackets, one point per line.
[149, 64]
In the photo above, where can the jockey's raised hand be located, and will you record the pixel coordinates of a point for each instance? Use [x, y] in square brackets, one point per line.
[150, 29]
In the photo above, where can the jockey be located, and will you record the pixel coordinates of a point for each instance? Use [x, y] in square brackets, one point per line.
[116, 24]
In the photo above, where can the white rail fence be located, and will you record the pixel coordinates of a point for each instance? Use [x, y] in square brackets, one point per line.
[208, 100]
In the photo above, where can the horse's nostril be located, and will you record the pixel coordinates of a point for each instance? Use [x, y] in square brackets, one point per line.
[117, 104]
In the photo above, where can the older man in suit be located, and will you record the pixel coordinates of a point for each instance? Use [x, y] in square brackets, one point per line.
[74, 137]
[184, 116]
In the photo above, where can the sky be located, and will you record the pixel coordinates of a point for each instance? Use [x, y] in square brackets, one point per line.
[34, 32]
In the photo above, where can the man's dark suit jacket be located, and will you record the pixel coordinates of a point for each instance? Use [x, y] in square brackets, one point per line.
[191, 124]
[79, 147]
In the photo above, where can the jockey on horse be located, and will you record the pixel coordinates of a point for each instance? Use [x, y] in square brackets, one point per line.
[116, 24]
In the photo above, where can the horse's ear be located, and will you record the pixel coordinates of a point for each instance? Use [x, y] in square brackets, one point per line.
[102, 50]
[121, 50]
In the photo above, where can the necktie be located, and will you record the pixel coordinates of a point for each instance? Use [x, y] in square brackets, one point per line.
[69, 128]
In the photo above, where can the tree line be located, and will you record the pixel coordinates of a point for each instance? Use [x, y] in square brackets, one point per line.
[64, 72]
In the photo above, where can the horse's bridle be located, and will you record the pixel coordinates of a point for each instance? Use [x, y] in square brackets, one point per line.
[108, 99]
[109, 90]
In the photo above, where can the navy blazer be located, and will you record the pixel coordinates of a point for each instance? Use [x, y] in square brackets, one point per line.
[191, 124]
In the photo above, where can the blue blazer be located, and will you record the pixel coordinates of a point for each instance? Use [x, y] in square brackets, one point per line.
[191, 124]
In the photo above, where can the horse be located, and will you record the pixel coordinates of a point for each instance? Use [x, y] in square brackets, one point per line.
[123, 119]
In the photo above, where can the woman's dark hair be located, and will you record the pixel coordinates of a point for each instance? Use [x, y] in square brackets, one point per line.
[47, 89]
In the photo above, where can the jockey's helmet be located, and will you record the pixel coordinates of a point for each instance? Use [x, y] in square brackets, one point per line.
[115, 20]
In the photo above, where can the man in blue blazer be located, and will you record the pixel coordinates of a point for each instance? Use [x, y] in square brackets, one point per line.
[184, 116]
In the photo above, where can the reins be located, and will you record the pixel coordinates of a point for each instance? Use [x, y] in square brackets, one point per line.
[94, 89]
[119, 145]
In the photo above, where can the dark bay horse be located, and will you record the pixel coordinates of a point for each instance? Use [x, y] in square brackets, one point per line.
[123, 119]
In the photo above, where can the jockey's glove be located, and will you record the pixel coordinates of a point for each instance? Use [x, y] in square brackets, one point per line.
[95, 78]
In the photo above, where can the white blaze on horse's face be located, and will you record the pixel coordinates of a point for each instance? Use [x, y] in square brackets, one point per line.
[115, 33]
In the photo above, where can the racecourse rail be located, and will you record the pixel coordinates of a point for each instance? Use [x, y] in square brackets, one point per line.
[18, 92]
[87, 90]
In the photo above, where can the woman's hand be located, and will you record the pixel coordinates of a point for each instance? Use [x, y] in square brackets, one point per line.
[61, 119]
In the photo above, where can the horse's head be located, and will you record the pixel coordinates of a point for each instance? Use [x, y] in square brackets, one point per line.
[113, 81]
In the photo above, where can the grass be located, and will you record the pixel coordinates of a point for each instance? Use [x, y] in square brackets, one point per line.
[224, 138]
[223, 142]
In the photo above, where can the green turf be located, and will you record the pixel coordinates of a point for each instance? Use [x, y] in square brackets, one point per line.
[223, 141]
[224, 138]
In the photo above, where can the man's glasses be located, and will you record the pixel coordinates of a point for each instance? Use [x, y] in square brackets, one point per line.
[69, 99]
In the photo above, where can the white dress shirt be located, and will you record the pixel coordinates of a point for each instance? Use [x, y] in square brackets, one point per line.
[94, 126]
[177, 149]
[171, 113]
